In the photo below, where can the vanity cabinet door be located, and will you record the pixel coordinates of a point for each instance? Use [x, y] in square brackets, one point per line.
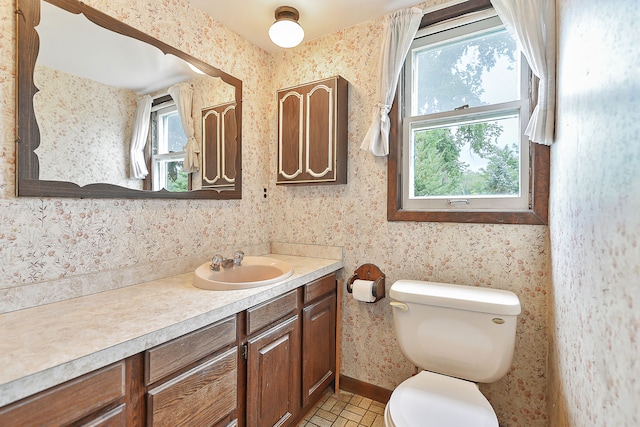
[273, 375]
[312, 133]
[318, 348]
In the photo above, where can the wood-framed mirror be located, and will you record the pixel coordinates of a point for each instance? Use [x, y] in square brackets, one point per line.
[76, 116]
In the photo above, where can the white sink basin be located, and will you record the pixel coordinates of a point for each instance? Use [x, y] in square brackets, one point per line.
[255, 271]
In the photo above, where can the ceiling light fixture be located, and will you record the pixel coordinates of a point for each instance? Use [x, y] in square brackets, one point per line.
[286, 32]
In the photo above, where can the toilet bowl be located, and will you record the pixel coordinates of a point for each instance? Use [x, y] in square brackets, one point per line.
[458, 335]
[430, 399]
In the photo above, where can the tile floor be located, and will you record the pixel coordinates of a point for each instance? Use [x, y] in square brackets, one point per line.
[344, 410]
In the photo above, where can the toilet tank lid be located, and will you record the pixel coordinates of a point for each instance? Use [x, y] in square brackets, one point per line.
[472, 298]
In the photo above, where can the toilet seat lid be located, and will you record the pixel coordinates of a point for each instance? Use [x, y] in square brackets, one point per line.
[433, 400]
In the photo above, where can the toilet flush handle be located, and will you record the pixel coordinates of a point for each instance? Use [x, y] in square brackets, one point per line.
[402, 306]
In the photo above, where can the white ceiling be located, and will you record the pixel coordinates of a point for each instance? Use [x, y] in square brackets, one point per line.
[252, 18]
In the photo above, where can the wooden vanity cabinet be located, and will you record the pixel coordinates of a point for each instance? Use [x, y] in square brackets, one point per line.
[263, 367]
[107, 397]
[193, 380]
[312, 133]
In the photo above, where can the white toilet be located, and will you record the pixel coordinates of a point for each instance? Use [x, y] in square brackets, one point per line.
[459, 335]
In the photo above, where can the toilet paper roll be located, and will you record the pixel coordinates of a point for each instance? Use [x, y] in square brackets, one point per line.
[363, 290]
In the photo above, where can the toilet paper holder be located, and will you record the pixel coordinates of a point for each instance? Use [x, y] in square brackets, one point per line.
[369, 272]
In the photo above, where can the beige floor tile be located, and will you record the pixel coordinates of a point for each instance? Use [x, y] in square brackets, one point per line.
[326, 415]
[338, 407]
[355, 409]
[340, 422]
[365, 403]
[368, 419]
[344, 410]
[355, 399]
[345, 396]
[321, 422]
[376, 407]
[378, 422]
[351, 416]
[329, 403]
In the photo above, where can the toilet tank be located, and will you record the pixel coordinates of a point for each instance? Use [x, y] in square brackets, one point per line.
[465, 332]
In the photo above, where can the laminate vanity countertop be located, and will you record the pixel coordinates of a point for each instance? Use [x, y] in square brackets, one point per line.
[44, 346]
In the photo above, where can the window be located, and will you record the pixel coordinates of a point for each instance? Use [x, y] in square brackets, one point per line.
[167, 139]
[460, 152]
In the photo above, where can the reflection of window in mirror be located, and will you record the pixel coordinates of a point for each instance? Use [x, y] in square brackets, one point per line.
[167, 153]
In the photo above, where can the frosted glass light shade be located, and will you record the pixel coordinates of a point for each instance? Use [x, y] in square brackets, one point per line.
[286, 32]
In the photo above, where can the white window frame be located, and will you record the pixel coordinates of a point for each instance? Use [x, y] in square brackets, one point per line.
[159, 161]
[447, 32]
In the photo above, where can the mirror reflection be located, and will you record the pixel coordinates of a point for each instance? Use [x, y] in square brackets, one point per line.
[112, 109]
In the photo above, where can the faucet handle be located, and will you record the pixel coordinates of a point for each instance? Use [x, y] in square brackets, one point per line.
[216, 262]
[238, 257]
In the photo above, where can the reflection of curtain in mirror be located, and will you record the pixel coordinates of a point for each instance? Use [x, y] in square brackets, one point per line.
[139, 136]
[182, 94]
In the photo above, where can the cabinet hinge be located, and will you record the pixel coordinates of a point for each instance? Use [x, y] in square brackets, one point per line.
[245, 351]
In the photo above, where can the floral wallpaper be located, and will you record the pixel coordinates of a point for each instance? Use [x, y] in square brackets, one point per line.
[85, 129]
[594, 311]
[509, 257]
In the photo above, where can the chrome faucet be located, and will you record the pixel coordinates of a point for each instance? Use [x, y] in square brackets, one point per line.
[219, 261]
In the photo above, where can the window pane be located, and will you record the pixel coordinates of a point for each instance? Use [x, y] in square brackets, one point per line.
[471, 158]
[174, 133]
[473, 71]
[170, 175]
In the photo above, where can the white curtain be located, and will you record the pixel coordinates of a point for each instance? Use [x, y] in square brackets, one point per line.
[400, 30]
[137, 164]
[182, 94]
[533, 24]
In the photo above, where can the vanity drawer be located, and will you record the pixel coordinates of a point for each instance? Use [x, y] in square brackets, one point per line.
[69, 402]
[181, 352]
[202, 396]
[270, 311]
[320, 287]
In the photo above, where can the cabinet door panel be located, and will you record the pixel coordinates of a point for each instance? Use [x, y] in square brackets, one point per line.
[291, 133]
[318, 347]
[319, 139]
[273, 375]
[201, 396]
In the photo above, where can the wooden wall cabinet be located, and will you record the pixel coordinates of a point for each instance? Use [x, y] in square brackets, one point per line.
[312, 133]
